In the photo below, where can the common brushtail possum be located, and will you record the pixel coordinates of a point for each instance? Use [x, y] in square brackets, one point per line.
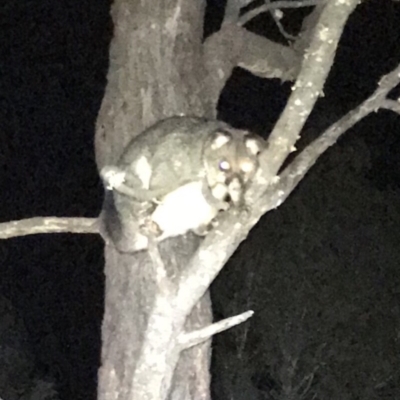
[176, 177]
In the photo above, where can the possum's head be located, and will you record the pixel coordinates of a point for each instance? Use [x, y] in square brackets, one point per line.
[231, 160]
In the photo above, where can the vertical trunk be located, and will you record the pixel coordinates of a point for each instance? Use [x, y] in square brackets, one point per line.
[156, 70]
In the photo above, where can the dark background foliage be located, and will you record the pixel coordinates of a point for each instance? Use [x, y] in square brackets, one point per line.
[321, 272]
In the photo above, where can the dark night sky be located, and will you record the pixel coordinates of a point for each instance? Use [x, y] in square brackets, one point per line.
[53, 60]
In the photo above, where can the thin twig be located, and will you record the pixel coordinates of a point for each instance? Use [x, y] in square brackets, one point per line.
[276, 6]
[277, 19]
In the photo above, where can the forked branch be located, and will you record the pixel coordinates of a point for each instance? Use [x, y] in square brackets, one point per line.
[220, 244]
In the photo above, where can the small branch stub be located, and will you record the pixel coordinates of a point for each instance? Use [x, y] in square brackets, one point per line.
[187, 340]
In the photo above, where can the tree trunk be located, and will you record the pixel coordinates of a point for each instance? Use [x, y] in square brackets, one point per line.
[156, 70]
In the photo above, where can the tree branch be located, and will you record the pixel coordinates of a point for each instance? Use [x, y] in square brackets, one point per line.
[277, 16]
[268, 59]
[211, 256]
[392, 105]
[309, 85]
[234, 46]
[33, 226]
[220, 243]
[190, 339]
[232, 10]
[296, 171]
[277, 5]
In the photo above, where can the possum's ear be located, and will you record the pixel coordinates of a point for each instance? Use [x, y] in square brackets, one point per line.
[219, 139]
[255, 144]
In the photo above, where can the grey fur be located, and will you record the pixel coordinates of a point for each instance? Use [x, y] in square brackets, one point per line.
[176, 159]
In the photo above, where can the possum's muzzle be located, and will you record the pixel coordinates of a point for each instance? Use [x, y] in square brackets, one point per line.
[235, 190]
[231, 191]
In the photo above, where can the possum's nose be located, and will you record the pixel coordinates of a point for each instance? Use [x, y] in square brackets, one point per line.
[235, 190]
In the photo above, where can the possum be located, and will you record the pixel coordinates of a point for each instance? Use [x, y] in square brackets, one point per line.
[176, 177]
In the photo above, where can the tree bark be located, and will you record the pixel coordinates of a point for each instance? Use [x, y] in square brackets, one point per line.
[156, 71]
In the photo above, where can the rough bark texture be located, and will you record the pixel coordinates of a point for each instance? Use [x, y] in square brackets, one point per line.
[156, 71]
[130, 296]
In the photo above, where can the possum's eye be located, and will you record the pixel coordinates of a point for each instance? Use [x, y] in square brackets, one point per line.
[224, 165]
[247, 166]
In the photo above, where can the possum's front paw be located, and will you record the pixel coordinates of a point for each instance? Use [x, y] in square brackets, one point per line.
[150, 228]
[202, 230]
[243, 211]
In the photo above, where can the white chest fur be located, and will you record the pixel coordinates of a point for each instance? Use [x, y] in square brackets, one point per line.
[184, 209]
